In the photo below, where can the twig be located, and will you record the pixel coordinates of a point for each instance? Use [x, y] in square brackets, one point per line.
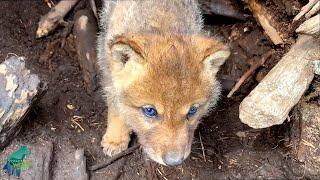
[151, 174]
[250, 72]
[49, 3]
[202, 147]
[314, 10]
[162, 175]
[265, 20]
[114, 158]
[94, 8]
[75, 122]
[305, 9]
[54, 17]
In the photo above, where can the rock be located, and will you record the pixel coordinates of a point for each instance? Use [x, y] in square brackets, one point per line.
[18, 90]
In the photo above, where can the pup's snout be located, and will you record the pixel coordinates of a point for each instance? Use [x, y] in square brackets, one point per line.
[172, 159]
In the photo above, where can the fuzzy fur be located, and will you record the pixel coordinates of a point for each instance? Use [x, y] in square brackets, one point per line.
[153, 52]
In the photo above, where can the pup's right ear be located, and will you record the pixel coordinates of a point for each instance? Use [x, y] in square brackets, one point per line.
[127, 48]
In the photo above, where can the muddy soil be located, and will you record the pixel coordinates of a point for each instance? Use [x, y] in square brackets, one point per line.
[68, 114]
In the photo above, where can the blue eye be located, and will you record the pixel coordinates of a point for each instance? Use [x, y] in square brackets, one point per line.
[149, 111]
[192, 111]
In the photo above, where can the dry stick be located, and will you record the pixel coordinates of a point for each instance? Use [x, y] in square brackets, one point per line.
[202, 148]
[54, 17]
[114, 158]
[264, 19]
[305, 9]
[314, 10]
[94, 8]
[252, 69]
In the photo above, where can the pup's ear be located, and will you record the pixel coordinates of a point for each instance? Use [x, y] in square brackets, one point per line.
[127, 48]
[212, 52]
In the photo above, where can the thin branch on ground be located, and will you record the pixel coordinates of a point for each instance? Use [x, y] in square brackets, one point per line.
[114, 158]
[252, 69]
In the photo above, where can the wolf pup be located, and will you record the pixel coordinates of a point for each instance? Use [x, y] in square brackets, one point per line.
[158, 67]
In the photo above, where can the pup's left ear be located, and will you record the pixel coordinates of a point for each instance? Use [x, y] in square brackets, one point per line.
[212, 52]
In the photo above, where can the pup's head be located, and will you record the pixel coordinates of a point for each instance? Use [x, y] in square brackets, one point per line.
[164, 85]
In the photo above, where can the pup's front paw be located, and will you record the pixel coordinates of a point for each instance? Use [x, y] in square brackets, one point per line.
[114, 145]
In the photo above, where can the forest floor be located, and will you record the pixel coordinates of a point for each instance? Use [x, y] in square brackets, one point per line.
[231, 150]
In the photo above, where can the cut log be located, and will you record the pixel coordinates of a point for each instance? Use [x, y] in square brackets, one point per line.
[265, 20]
[310, 27]
[270, 102]
[54, 17]
[19, 89]
[85, 31]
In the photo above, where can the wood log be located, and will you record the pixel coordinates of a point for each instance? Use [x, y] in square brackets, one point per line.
[19, 89]
[54, 17]
[270, 102]
[265, 20]
[85, 31]
[310, 27]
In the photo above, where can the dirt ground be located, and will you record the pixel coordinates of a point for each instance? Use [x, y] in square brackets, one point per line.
[231, 150]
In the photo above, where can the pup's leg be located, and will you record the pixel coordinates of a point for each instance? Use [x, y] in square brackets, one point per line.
[116, 138]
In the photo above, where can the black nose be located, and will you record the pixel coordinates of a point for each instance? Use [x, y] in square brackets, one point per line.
[172, 159]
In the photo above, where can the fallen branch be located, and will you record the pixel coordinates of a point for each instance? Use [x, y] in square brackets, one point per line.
[305, 9]
[54, 17]
[114, 158]
[271, 101]
[315, 9]
[264, 19]
[252, 69]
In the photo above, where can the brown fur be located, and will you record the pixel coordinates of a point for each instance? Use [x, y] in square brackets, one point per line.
[168, 70]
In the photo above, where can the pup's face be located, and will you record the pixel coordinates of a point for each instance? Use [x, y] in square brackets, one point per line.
[165, 85]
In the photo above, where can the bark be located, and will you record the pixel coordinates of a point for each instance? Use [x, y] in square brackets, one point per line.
[19, 89]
